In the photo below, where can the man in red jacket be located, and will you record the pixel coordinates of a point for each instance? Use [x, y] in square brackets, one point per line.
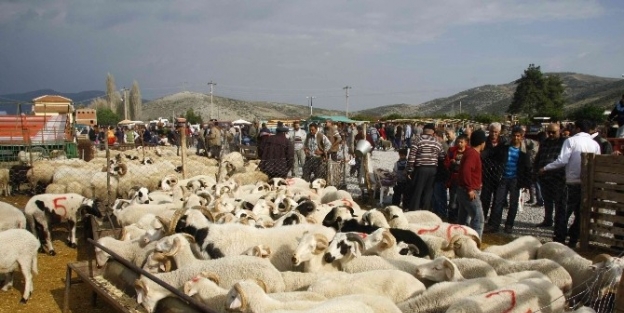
[470, 183]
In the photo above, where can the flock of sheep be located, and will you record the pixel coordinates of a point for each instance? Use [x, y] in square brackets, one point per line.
[240, 242]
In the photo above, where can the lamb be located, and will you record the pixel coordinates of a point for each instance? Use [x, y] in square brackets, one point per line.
[135, 251]
[11, 217]
[583, 271]
[247, 296]
[67, 206]
[529, 295]
[520, 249]
[229, 269]
[439, 297]
[396, 285]
[465, 246]
[443, 269]
[206, 287]
[20, 250]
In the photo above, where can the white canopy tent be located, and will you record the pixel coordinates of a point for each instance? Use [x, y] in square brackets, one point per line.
[240, 122]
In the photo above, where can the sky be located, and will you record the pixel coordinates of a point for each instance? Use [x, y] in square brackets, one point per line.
[388, 52]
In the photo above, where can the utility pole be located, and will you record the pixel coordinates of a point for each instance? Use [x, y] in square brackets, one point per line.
[211, 84]
[125, 102]
[310, 102]
[460, 107]
[346, 88]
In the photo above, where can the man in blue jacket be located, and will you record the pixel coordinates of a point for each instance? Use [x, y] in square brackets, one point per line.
[617, 114]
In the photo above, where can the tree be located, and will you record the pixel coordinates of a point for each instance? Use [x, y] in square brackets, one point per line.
[193, 118]
[106, 116]
[393, 116]
[537, 94]
[588, 112]
[135, 102]
[112, 95]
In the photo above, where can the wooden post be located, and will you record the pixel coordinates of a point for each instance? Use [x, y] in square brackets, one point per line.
[108, 191]
[587, 184]
[183, 149]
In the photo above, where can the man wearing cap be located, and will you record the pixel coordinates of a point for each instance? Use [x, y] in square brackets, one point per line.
[470, 211]
[515, 162]
[297, 136]
[424, 156]
[277, 154]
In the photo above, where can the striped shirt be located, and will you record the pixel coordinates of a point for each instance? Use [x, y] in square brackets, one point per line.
[425, 151]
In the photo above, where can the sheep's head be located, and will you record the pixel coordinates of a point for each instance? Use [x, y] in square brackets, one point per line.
[91, 207]
[375, 218]
[306, 207]
[260, 251]
[157, 262]
[337, 216]
[144, 297]
[243, 294]
[438, 270]
[309, 246]
[171, 245]
[142, 195]
[318, 184]
[462, 245]
[168, 182]
[204, 281]
[344, 246]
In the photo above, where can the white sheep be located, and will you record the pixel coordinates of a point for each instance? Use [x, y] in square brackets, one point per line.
[422, 217]
[247, 296]
[445, 230]
[441, 296]
[68, 206]
[11, 217]
[465, 246]
[437, 247]
[520, 249]
[396, 285]
[528, 295]
[135, 251]
[599, 276]
[444, 269]
[5, 182]
[309, 253]
[20, 250]
[229, 269]
[375, 217]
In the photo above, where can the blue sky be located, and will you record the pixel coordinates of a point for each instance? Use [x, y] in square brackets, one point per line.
[403, 51]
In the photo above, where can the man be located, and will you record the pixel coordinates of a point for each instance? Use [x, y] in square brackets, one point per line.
[277, 154]
[390, 132]
[491, 170]
[424, 156]
[297, 136]
[469, 180]
[333, 134]
[570, 157]
[407, 132]
[253, 133]
[263, 133]
[605, 145]
[316, 147]
[214, 140]
[552, 182]
[516, 174]
[450, 137]
[440, 199]
[452, 162]
[617, 114]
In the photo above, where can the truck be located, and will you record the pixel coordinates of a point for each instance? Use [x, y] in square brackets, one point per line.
[35, 133]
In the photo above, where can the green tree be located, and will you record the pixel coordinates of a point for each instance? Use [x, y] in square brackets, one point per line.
[485, 118]
[393, 116]
[362, 117]
[589, 112]
[537, 94]
[193, 118]
[106, 116]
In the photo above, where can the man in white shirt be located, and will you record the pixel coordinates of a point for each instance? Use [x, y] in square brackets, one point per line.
[570, 157]
[297, 136]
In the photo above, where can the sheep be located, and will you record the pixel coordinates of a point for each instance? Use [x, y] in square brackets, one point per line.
[529, 295]
[441, 296]
[396, 285]
[330, 196]
[422, 217]
[67, 206]
[5, 183]
[465, 246]
[135, 251]
[520, 249]
[260, 251]
[229, 269]
[247, 296]
[245, 178]
[599, 276]
[445, 230]
[206, 287]
[20, 250]
[290, 218]
[54, 188]
[376, 218]
[11, 217]
[444, 269]
[437, 247]
[309, 253]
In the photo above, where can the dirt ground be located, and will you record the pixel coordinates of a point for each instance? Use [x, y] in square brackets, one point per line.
[49, 285]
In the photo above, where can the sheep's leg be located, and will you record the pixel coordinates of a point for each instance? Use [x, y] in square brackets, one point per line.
[71, 239]
[47, 236]
[28, 277]
[8, 281]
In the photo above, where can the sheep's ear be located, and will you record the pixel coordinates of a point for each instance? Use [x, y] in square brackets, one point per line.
[449, 269]
[141, 290]
[261, 284]
[387, 240]
[477, 240]
[321, 244]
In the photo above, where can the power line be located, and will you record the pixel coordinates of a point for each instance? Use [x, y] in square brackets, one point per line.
[211, 84]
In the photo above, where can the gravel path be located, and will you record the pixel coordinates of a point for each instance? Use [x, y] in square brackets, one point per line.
[525, 220]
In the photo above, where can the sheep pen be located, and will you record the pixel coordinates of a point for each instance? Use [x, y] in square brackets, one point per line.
[49, 284]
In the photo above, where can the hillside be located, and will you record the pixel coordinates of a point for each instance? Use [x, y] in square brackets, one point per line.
[580, 89]
[226, 108]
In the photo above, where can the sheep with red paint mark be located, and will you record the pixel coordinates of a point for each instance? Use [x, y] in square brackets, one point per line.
[69, 207]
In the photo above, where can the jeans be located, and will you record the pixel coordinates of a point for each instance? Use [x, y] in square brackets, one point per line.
[487, 194]
[440, 200]
[299, 161]
[553, 192]
[470, 212]
[573, 204]
[422, 188]
[453, 205]
[620, 132]
[506, 186]
[399, 190]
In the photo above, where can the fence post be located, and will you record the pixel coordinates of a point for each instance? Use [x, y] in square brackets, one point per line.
[587, 184]
[108, 190]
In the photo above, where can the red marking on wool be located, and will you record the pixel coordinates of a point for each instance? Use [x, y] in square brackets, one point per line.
[363, 235]
[290, 181]
[513, 298]
[347, 202]
[195, 279]
[424, 231]
[59, 207]
[449, 230]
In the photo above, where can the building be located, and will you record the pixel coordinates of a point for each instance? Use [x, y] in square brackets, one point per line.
[50, 105]
[86, 116]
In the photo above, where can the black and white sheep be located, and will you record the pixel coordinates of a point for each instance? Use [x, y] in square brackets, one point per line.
[20, 250]
[68, 206]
